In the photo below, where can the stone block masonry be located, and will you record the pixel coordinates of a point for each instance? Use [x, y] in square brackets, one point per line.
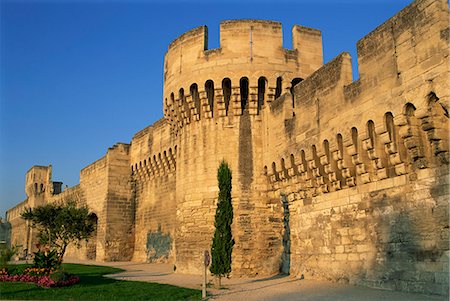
[332, 178]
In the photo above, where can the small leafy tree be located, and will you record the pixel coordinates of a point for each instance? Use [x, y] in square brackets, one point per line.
[6, 254]
[59, 225]
[222, 245]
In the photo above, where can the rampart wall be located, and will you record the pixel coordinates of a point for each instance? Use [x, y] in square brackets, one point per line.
[363, 165]
[74, 194]
[19, 229]
[106, 188]
[153, 156]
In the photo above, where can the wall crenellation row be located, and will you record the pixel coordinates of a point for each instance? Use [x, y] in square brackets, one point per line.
[413, 140]
[226, 100]
[160, 164]
[252, 37]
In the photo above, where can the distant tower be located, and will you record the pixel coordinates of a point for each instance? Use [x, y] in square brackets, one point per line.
[38, 183]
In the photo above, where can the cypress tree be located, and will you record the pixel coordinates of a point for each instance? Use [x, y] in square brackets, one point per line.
[222, 245]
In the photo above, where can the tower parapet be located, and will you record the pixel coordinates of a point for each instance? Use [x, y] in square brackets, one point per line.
[38, 180]
[249, 69]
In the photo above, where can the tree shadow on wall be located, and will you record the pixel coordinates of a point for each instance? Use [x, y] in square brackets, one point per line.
[403, 256]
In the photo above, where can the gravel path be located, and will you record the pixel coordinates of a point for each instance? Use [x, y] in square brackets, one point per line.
[283, 288]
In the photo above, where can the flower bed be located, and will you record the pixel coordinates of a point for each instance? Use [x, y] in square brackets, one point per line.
[41, 277]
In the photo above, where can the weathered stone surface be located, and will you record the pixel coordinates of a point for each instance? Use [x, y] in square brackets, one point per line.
[334, 179]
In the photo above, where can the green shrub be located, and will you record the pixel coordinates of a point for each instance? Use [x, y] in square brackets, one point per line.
[46, 260]
[15, 269]
[5, 255]
[59, 276]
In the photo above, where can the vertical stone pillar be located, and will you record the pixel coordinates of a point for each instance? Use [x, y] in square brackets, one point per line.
[253, 101]
[435, 126]
[270, 95]
[207, 113]
[236, 98]
[218, 96]
[191, 108]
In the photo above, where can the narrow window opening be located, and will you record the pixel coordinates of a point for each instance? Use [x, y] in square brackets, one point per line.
[371, 132]
[340, 143]
[181, 94]
[226, 87]
[261, 92]
[326, 149]
[172, 102]
[278, 87]
[283, 167]
[293, 83]
[389, 119]
[274, 170]
[183, 101]
[293, 165]
[303, 158]
[355, 137]
[243, 83]
[410, 110]
[195, 97]
[433, 100]
[314, 152]
[209, 87]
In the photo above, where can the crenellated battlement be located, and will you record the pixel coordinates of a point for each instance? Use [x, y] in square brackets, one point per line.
[250, 67]
[388, 101]
[254, 39]
[155, 165]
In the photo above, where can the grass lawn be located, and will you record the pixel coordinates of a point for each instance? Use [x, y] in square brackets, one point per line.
[93, 286]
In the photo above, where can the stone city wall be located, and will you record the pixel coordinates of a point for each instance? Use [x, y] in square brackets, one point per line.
[363, 165]
[93, 182]
[19, 228]
[153, 163]
[332, 178]
[74, 194]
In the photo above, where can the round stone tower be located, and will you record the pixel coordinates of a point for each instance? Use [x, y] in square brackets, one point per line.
[249, 70]
[214, 101]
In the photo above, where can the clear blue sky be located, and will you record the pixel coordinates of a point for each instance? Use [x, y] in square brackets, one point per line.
[79, 76]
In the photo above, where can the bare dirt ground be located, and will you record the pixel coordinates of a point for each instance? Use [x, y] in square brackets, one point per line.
[247, 289]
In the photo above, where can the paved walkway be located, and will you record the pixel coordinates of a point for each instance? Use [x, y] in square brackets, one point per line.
[275, 288]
